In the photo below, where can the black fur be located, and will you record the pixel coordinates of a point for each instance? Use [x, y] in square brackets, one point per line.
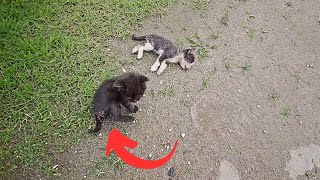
[125, 90]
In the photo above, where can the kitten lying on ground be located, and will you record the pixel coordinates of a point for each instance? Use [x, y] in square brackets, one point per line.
[125, 89]
[167, 51]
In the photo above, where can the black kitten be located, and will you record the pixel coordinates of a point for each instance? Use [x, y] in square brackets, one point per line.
[125, 89]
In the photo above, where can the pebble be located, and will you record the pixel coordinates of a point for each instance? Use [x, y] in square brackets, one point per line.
[170, 130]
[239, 90]
[160, 81]
[258, 106]
[140, 110]
[171, 172]
[150, 155]
[189, 162]
[264, 131]
[183, 135]
[55, 167]
[188, 95]
[84, 176]
[161, 150]
[134, 122]
[300, 122]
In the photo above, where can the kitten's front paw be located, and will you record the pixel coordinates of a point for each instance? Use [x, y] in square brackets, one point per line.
[133, 109]
[135, 49]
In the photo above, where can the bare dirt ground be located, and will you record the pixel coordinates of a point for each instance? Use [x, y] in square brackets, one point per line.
[250, 110]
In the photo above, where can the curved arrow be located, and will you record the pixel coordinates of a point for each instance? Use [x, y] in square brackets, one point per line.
[117, 142]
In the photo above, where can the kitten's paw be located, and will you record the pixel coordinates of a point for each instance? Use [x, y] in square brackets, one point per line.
[153, 68]
[134, 109]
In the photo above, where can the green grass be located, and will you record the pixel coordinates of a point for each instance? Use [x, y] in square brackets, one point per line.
[168, 91]
[225, 18]
[246, 67]
[99, 168]
[200, 6]
[285, 112]
[52, 58]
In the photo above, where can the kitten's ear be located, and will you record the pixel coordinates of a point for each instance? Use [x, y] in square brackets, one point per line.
[143, 79]
[119, 85]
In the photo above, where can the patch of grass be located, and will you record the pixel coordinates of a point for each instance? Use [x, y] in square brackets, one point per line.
[285, 112]
[52, 60]
[274, 96]
[215, 36]
[180, 43]
[185, 102]
[99, 168]
[202, 53]
[245, 67]
[200, 6]
[251, 33]
[168, 91]
[225, 19]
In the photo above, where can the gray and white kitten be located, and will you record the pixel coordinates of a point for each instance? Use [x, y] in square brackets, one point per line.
[167, 51]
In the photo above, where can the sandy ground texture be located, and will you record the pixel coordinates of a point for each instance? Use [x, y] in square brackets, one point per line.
[250, 110]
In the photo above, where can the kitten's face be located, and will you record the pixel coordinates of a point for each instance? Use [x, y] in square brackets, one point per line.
[132, 86]
[189, 58]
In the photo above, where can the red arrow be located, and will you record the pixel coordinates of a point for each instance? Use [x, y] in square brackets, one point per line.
[117, 142]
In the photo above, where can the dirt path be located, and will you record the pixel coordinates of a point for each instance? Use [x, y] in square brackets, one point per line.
[249, 111]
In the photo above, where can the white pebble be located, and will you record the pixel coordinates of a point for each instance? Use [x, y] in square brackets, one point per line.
[300, 122]
[55, 167]
[239, 90]
[170, 130]
[264, 131]
[188, 95]
[258, 106]
[150, 155]
[161, 149]
[189, 162]
[183, 135]
[140, 110]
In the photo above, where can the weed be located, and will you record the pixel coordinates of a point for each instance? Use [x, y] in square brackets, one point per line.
[168, 91]
[215, 36]
[200, 6]
[274, 96]
[251, 33]
[202, 53]
[99, 168]
[180, 43]
[225, 18]
[285, 112]
[245, 67]
[227, 66]
[185, 102]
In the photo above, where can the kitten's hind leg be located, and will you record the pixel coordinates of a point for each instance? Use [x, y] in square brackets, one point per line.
[163, 66]
[140, 52]
[98, 118]
[155, 65]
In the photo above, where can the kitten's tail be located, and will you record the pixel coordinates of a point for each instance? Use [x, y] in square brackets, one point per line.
[139, 38]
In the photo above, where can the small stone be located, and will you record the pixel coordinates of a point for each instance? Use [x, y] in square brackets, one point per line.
[188, 95]
[161, 150]
[140, 109]
[300, 122]
[55, 167]
[134, 122]
[171, 172]
[258, 106]
[170, 130]
[84, 176]
[264, 131]
[229, 130]
[160, 81]
[154, 145]
[183, 135]
[239, 90]
[150, 155]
